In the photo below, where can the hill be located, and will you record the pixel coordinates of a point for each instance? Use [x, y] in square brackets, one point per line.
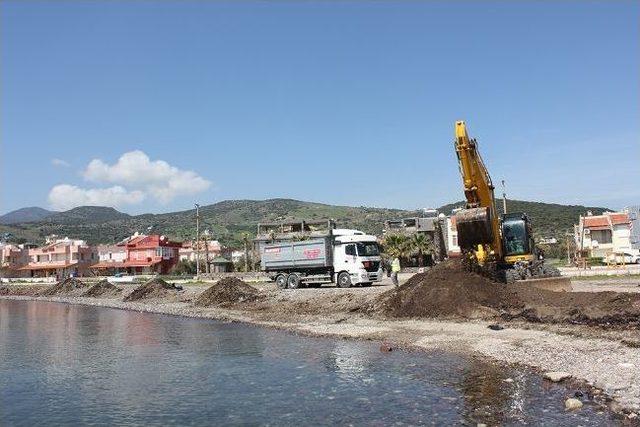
[228, 220]
[30, 214]
[92, 214]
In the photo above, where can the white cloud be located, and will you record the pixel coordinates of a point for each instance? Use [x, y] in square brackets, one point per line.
[64, 196]
[157, 178]
[60, 163]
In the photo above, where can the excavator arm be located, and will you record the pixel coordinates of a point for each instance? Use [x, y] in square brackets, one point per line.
[478, 224]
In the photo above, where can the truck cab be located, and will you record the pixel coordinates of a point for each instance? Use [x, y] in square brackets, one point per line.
[356, 258]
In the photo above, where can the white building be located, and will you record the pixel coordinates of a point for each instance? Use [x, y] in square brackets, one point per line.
[634, 218]
[111, 253]
[453, 250]
[602, 235]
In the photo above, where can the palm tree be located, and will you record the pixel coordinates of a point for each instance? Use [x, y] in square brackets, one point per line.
[420, 244]
[396, 245]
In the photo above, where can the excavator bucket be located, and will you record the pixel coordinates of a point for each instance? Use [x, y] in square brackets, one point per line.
[555, 284]
[474, 227]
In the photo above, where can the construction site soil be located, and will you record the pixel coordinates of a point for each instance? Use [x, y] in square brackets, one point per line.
[227, 292]
[102, 289]
[67, 287]
[449, 291]
[155, 288]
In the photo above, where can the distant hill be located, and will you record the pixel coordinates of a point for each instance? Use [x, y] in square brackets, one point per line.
[91, 214]
[547, 219]
[30, 214]
[228, 220]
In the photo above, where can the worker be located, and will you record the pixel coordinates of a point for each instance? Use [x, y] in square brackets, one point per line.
[395, 269]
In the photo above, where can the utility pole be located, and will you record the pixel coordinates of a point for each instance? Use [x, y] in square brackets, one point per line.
[504, 198]
[197, 241]
[245, 237]
[206, 250]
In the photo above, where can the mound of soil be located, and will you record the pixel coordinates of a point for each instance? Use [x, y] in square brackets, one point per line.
[102, 289]
[227, 292]
[450, 291]
[68, 287]
[22, 290]
[154, 288]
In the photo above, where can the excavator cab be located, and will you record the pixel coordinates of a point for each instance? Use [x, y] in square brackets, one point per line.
[517, 238]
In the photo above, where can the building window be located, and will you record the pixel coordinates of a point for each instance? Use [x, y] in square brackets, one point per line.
[601, 236]
[158, 251]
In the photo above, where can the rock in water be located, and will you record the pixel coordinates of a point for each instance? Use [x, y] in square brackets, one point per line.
[572, 404]
[556, 376]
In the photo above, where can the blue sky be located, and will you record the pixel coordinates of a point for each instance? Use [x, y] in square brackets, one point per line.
[339, 102]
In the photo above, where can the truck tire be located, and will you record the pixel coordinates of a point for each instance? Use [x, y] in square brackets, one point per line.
[344, 280]
[293, 281]
[281, 281]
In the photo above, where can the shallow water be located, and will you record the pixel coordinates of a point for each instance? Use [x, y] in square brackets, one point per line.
[76, 365]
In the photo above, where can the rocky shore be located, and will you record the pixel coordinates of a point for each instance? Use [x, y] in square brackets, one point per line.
[607, 359]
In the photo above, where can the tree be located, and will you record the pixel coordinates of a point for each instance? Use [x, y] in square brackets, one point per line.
[185, 267]
[420, 244]
[396, 245]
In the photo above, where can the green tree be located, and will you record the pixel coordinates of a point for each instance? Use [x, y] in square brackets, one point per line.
[420, 245]
[396, 246]
[185, 268]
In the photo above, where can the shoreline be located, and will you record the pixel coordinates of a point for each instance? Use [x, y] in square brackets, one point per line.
[603, 363]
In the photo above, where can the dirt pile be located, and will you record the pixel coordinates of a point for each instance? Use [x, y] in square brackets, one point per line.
[450, 291]
[67, 287]
[227, 292]
[154, 288]
[22, 290]
[102, 289]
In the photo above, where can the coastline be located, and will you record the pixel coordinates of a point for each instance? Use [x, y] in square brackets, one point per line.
[605, 361]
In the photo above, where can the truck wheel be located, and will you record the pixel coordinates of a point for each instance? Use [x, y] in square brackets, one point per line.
[293, 281]
[281, 281]
[344, 280]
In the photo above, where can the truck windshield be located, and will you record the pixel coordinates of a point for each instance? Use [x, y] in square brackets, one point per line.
[368, 249]
[515, 238]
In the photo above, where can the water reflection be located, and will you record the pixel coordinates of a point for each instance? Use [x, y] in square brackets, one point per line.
[80, 365]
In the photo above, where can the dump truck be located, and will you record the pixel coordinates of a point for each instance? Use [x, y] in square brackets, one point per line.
[341, 256]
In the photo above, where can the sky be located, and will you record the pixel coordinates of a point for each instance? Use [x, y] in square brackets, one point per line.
[152, 106]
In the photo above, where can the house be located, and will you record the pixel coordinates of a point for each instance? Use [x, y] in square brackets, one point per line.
[60, 258]
[111, 259]
[150, 254]
[188, 251]
[12, 258]
[453, 250]
[600, 235]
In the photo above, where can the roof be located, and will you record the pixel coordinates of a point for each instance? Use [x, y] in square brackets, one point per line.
[605, 221]
[46, 266]
[619, 218]
[220, 260]
[596, 221]
[107, 264]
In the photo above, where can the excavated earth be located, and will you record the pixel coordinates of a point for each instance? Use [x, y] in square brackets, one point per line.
[155, 288]
[448, 291]
[67, 287]
[227, 292]
[102, 289]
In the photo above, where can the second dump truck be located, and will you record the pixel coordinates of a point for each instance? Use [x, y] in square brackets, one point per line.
[309, 254]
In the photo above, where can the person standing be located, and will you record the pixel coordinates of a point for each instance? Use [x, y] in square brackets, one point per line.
[395, 269]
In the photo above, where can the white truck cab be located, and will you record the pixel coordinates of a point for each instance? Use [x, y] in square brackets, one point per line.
[356, 258]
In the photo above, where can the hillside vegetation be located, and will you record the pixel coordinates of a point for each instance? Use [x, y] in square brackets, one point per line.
[228, 220]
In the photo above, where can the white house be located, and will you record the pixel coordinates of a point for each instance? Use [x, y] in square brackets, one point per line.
[601, 235]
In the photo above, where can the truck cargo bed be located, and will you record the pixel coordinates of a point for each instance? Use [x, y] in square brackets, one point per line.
[303, 254]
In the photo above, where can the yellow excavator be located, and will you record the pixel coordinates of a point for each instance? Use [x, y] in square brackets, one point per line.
[499, 246]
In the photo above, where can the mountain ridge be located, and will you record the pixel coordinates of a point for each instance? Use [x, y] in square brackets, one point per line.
[228, 220]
